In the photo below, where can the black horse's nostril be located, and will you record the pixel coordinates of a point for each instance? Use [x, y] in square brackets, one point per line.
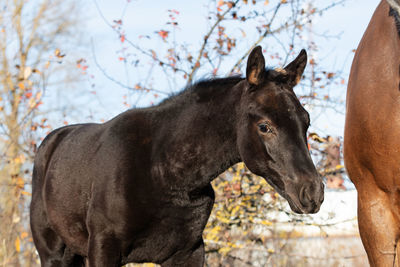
[321, 198]
[308, 196]
[301, 194]
[311, 198]
[305, 199]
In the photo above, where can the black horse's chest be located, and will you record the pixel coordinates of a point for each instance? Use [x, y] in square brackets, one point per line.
[177, 226]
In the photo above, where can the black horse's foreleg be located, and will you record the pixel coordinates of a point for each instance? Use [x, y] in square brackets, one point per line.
[104, 250]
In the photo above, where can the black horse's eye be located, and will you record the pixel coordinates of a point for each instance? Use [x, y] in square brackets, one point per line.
[264, 128]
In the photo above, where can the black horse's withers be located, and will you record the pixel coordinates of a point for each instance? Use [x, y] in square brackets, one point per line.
[137, 188]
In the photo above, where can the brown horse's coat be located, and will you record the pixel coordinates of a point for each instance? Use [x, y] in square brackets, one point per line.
[372, 137]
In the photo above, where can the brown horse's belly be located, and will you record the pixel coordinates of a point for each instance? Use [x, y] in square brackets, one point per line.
[372, 142]
[372, 134]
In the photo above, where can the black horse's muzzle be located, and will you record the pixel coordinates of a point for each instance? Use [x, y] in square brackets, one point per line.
[307, 199]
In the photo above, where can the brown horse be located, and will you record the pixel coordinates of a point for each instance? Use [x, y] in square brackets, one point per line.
[372, 134]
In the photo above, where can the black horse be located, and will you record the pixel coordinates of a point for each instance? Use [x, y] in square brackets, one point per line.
[137, 188]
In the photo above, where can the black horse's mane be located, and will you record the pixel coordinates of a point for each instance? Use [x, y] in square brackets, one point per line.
[202, 90]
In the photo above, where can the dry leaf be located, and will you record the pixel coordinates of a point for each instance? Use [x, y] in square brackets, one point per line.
[17, 244]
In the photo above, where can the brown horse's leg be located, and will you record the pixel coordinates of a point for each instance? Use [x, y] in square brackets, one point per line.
[379, 229]
[195, 258]
[398, 253]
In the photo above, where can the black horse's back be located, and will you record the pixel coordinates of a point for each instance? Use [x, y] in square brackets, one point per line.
[45, 151]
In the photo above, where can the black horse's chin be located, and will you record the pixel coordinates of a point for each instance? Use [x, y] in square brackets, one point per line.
[292, 202]
[294, 207]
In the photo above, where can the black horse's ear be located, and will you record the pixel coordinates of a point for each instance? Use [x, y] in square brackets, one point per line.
[255, 66]
[296, 68]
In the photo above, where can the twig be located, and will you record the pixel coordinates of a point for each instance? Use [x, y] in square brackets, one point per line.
[116, 81]
[206, 38]
[267, 31]
[144, 52]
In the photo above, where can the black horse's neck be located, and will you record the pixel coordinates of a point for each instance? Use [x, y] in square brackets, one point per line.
[202, 141]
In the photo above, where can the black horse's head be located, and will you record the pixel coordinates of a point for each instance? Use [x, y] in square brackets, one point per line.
[272, 132]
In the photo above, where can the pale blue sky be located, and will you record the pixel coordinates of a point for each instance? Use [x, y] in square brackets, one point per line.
[144, 17]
